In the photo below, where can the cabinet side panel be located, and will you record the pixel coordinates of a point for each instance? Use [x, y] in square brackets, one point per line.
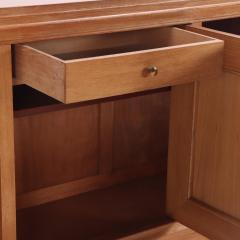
[40, 71]
[7, 171]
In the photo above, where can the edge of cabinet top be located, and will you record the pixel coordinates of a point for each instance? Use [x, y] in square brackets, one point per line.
[30, 20]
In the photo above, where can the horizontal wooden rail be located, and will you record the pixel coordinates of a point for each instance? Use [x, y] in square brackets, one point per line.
[73, 188]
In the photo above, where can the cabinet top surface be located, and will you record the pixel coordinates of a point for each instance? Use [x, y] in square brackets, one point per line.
[24, 3]
[89, 4]
[29, 20]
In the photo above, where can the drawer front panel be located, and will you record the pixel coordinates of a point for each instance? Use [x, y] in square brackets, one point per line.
[110, 76]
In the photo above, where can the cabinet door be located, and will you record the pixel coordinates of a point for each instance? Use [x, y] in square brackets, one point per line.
[205, 167]
[204, 157]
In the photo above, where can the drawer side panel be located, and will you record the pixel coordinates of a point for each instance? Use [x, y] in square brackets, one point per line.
[40, 71]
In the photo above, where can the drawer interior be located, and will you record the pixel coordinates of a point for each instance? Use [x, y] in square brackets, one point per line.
[116, 43]
[61, 148]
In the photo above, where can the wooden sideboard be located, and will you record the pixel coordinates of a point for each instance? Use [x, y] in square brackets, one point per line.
[88, 92]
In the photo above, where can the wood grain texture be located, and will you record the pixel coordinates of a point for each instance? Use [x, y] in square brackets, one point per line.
[15, 7]
[110, 43]
[88, 77]
[70, 4]
[56, 147]
[50, 69]
[180, 145]
[86, 18]
[216, 160]
[86, 153]
[231, 45]
[203, 190]
[188, 61]
[141, 129]
[107, 8]
[7, 166]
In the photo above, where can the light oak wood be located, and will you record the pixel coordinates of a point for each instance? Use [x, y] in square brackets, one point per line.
[231, 42]
[113, 43]
[16, 7]
[171, 231]
[210, 176]
[86, 18]
[216, 157]
[98, 3]
[89, 76]
[7, 167]
[198, 149]
[180, 145]
[97, 9]
[19, 3]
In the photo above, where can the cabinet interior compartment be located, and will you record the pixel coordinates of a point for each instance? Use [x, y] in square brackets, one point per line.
[90, 171]
[26, 97]
[231, 25]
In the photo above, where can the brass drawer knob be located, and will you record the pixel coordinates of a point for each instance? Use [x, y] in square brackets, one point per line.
[150, 71]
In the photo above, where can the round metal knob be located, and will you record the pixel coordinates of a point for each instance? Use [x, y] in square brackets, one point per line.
[151, 71]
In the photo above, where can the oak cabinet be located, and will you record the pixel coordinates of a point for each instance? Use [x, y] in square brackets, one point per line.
[123, 117]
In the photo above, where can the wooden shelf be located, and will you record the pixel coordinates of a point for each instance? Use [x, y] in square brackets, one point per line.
[104, 214]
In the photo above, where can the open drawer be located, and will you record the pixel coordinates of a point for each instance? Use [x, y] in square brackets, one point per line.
[93, 67]
[227, 30]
